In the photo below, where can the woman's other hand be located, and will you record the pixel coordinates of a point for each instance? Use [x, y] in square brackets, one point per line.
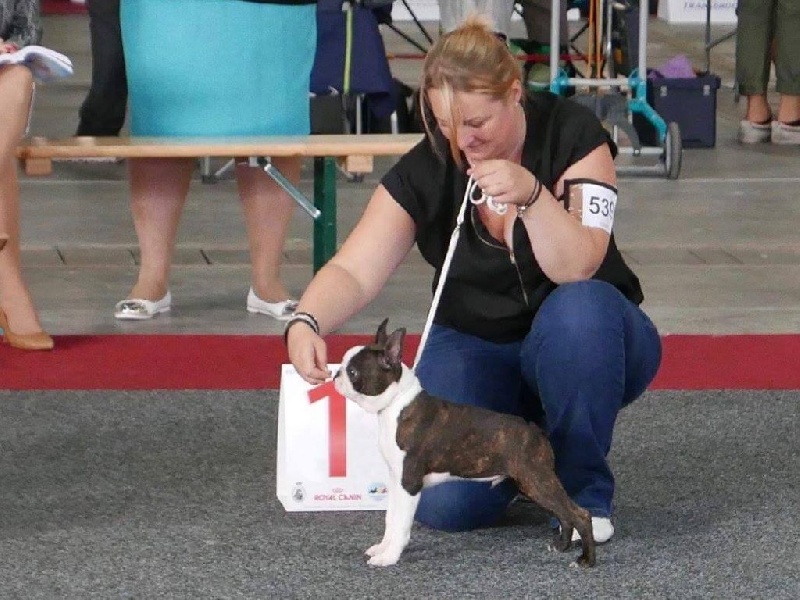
[506, 181]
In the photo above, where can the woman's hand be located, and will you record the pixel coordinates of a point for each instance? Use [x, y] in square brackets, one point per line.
[506, 181]
[308, 353]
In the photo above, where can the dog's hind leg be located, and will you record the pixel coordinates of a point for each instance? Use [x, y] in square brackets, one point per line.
[544, 488]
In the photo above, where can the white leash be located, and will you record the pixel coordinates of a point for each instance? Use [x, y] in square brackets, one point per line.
[500, 209]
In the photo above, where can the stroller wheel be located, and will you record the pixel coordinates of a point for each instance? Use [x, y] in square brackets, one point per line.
[673, 151]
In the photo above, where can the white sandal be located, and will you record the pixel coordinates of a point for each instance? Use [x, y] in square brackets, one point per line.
[277, 310]
[138, 309]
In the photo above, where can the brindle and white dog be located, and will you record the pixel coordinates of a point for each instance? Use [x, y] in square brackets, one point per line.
[426, 440]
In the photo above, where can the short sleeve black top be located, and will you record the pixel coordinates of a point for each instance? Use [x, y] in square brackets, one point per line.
[489, 292]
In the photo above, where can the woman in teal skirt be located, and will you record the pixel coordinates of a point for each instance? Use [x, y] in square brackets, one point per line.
[214, 68]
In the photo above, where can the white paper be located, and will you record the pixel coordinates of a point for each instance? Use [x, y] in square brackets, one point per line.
[45, 64]
[314, 472]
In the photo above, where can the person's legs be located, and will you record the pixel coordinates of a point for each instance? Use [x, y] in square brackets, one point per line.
[590, 352]
[268, 210]
[499, 11]
[158, 189]
[103, 109]
[453, 12]
[16, 85]
[537, 15]
[467, 370]
[753, 56]
[787, 64]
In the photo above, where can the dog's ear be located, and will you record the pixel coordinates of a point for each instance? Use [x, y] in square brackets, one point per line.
[394, 347]
[380, 337]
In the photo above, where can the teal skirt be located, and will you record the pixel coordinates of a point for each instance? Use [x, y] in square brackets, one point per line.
[218, 67]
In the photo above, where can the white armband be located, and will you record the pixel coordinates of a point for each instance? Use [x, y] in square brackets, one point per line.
[594, 202]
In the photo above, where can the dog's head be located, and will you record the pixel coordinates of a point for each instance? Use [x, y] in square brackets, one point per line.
[369, 375]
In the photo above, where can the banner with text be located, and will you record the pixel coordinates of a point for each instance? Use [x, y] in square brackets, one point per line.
[696, 11]
[328, 453]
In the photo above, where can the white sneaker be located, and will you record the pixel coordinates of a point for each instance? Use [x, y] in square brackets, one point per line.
[785, 134]
[754, 133]
[602, 530]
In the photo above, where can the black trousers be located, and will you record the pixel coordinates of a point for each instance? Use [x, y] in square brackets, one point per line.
[103, 109]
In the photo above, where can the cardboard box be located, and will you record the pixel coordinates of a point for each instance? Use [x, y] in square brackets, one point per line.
[690, 102]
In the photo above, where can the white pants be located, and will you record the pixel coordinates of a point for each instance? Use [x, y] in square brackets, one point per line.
[453, 12]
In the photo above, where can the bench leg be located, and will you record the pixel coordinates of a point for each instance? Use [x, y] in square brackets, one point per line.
[325, 201]
[37, 166]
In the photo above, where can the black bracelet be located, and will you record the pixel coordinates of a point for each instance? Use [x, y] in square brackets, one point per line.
[300, 317]
[537, 191]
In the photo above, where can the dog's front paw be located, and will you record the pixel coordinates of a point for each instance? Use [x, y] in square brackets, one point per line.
[376, 549]
[384, 559]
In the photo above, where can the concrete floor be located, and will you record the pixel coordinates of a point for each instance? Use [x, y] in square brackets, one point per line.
[717, 250]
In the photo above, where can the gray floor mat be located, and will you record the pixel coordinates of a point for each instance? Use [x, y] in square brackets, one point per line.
[172, 495]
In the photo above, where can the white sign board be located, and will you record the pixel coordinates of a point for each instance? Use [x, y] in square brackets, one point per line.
[424, 10]
[696, 11]
[328, 453]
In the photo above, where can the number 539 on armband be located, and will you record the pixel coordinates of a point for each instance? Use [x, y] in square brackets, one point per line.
[328, 454]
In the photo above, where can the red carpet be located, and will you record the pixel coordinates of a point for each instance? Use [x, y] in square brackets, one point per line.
[131, 362]
[62, 7]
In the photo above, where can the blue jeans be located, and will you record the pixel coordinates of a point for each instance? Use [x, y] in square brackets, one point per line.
[589, 353]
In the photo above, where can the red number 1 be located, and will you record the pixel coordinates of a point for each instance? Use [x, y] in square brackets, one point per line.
[337, 427]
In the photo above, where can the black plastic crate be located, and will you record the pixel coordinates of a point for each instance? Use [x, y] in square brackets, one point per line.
[689, 102]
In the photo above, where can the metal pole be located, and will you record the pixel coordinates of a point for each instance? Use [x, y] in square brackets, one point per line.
[643, 15]
[287, 185]
[555, 38]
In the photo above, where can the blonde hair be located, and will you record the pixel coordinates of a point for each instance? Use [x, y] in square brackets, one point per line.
[470, 58]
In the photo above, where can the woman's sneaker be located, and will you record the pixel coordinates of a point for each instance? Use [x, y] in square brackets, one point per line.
[755, 133]
[602, 530]
[785, 133]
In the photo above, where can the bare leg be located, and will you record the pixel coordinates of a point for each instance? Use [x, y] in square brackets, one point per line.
[158, 189]
[789, 108]
[15, 300]
[267, 211]
[758, 110]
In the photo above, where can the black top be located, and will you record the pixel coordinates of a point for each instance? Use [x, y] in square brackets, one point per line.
[489, 293]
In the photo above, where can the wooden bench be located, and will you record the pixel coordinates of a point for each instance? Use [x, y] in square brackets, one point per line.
[355, 152]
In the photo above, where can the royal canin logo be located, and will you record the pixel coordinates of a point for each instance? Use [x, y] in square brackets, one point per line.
[337, 495]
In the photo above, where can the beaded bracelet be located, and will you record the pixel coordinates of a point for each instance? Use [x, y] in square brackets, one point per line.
[537, 191]
[300, 317]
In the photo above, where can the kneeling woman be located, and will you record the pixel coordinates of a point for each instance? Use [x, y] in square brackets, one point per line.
[539, 315]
